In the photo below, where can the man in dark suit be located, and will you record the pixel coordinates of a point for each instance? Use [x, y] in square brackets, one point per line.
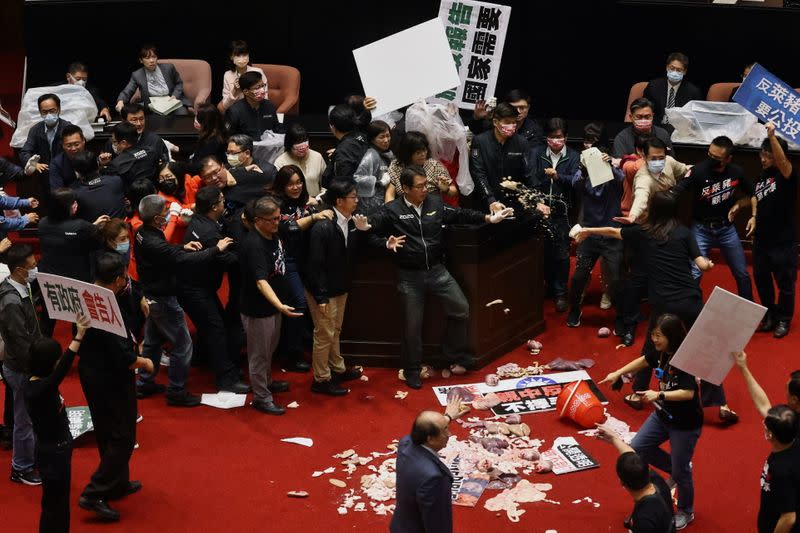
[78, 74]
[424, 482]
[672, 91]
[154, 79]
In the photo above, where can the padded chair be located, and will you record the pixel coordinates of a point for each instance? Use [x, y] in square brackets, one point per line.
[284, 87]
[721, 92]
[637, 91]
[196, 77]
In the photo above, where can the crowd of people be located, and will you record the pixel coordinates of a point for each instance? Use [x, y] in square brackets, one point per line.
[285, 232]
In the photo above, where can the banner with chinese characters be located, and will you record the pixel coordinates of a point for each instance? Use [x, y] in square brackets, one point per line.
[65, 298]
[535, 398]
[476, 32]
[771, 100]
[80, 420]
[567, 456]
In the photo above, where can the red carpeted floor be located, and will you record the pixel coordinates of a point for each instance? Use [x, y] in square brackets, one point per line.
[206, 469]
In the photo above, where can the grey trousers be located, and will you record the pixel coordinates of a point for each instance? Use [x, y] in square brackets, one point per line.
[262, 339]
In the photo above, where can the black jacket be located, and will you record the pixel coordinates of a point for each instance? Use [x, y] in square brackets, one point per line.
[68, 247]
[108, 352]
[566, 168]
[101, 195]
[530, 129]
[149, 141]
[656, 92]
[134, 163]
[490, 161]
[159, 262]
[9, 171]
[423, 248]
[330, 261]
[206, 275]
[36, 143]
[139, 81]
[250, 184]
[348, 155]
[19, 327]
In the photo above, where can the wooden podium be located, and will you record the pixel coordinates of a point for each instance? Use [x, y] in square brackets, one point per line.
[490, 262]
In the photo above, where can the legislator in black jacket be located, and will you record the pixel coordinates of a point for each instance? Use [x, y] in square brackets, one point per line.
[348, 155]
[656, 92]
[37, 142]
[490, 162]
[209, 274]
[330, 261]
[423, 491]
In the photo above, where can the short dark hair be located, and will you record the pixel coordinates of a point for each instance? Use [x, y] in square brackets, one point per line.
[249, 210]
[243, 141]
[85, 164]
[282, 178]
[375, 128]
[679, 56]
[673, 328]
[110, 266]
[125, 131]
[767, 147]
[61, 201]
[793, 387]
[248, 79]
[640, 103]
[555, 124]
[654, 142]
[295, 134]
[781, 421]
[206, 198]
[515, 95]
[239, 47]
[505, 110]
[17, 255]
[725, 143]
[343, 118]
[43, 355]
[132, 109]
[146, 50]
[632, 471]
[640, 141]
[338, 189]
[266, 205]
[77, 66]
[408, 174]
[72, 129]
[595, 132]
[48, 96]
[140, 188]
[422, 429]
[411, 142]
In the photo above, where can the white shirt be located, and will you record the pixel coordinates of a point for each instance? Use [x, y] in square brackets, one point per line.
[156, 84]
[415, 208]
[342, 221]
[556, 157]
[21, 289]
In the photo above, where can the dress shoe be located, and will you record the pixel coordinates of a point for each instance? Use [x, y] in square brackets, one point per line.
[268, 407]
[413, 379]
[279, 386]
[99, 507]
[627, 338]
[348, 375]
[238, 388]
[330, 387]
[183, 398]
[298, 366]
[767, 324]
[132, 488]
[561, 304]
[148, 389]
[781, 329]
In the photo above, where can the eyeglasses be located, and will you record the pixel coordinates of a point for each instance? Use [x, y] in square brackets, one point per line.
[234, 153]
[270, 219]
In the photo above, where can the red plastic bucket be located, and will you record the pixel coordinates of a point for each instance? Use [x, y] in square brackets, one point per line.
[577, 402]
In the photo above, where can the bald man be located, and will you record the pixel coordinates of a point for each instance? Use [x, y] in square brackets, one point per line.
[423, 480]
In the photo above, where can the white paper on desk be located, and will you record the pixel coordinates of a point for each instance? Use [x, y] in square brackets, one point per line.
[224, 400]
[599, 171]
[164, 105]
[725, 325]
[408, 66]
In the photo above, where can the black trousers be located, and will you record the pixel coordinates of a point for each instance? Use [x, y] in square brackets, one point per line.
[779, 263]
[112, 403]
[588, 252]
[54, 462]
[219, 343]
[556, 258]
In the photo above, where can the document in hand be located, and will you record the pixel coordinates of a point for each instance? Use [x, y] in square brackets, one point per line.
[599, 171]
[164, 105]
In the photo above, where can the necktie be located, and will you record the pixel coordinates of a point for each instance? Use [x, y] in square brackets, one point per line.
[670, 103]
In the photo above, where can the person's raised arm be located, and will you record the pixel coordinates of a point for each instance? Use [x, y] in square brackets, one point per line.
[637, 364]
[760, 399]
[781, 161]
[606, 434]
[612, 233]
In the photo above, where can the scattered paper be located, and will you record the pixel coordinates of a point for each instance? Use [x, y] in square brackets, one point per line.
[302, 441]
[293, 405]
[400, 395]
[224, 400]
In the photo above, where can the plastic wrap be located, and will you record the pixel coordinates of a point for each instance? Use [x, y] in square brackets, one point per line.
[77, 106]
[443, 127]
[699, 122]
[269, 148]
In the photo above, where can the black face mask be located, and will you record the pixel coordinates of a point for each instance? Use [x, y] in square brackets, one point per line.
[168, 187]
[716, 164]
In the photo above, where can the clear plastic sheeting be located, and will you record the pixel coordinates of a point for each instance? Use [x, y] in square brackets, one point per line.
[699, 122]
[77, 106]
[446, 133]
[269, 148]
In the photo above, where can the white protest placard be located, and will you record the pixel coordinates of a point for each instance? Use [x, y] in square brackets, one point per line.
[725, 325]
[408, 66]
[599, 170]
[65, 298]
[476, 33]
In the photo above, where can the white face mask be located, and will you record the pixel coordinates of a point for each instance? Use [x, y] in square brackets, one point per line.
[82, 83]
[233, 160]
[32, 273]
[241, 61]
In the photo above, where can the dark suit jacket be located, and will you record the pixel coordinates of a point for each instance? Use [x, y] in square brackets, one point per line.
[656, 92]
[36, 143]
[423, 492]
[139, 81]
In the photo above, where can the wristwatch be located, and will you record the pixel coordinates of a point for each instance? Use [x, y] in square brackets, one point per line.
[661, 396]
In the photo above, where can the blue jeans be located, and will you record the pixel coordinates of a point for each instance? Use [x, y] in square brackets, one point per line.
[727, 240]
[22, 457]
[167, 323]
[678, 464]
[413, 286]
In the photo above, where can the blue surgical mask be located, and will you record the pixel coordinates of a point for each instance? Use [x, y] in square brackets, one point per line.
[50, 120]
[657, 166]
[674, 76]
[123, 247]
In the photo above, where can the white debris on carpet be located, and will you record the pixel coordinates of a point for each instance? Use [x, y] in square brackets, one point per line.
[622, 429]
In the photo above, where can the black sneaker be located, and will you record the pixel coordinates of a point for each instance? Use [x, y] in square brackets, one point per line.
[279, 386]
[268, 407]
[330, 387]
[561, 304]
[100, 508]
[148, 389]
[26, 477]
[183, 398]
[348, 375]
[574, 318]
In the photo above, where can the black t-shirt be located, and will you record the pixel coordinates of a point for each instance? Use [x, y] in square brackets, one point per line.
[714, 190]
[776, 199]
[686, 414]
[241, 117]
[653, 513]
[780, 488]
[667, 263]
[261, 258]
